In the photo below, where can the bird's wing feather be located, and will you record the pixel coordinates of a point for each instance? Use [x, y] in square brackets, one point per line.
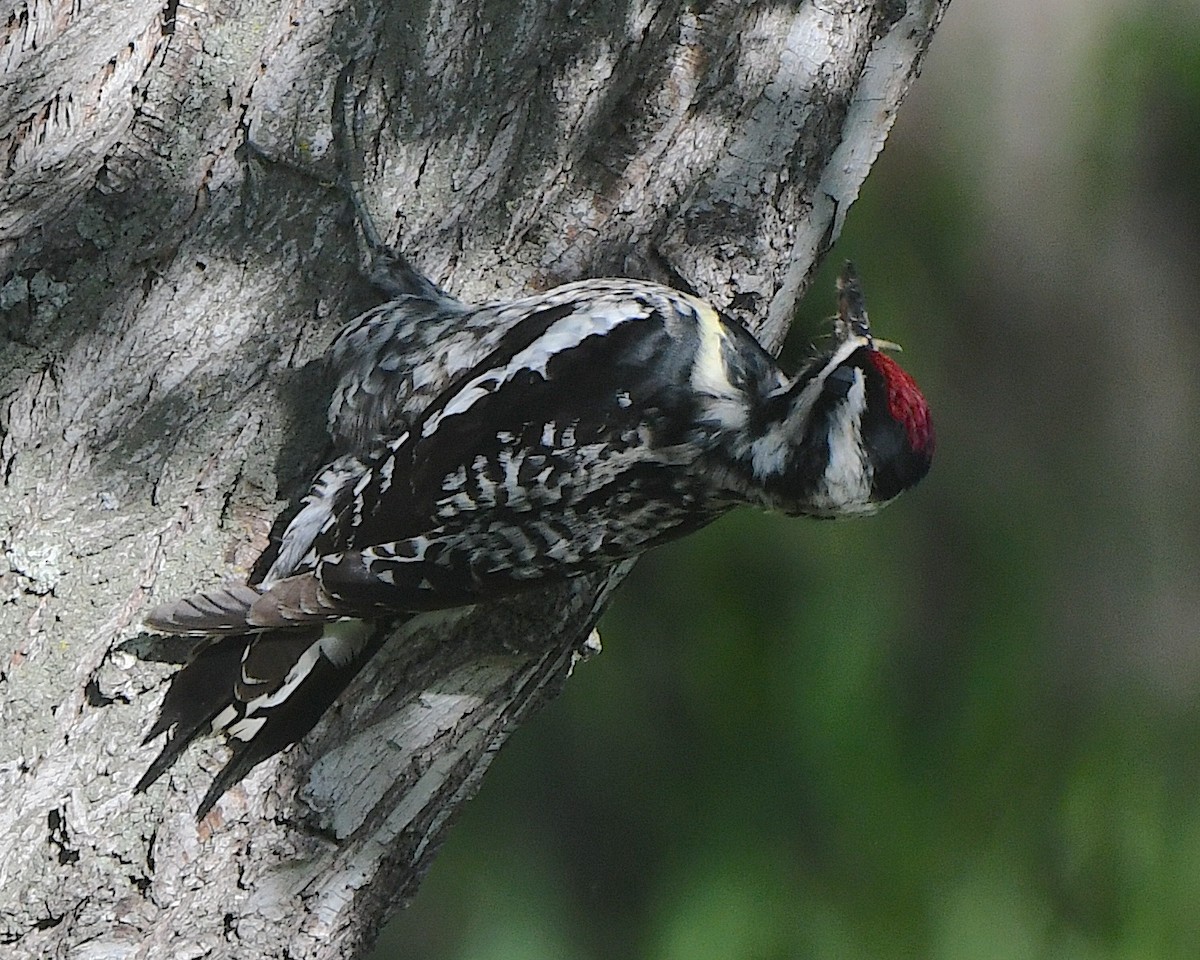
[570, 447]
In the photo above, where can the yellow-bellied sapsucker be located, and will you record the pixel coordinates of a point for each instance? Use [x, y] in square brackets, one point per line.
[487, 450]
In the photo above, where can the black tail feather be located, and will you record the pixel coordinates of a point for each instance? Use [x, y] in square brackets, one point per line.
[235, 683]
[196, 695]
[284, 725]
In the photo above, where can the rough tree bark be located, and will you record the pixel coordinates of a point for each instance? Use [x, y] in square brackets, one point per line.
[164, 299]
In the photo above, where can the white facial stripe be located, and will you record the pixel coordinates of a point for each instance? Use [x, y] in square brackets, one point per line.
[769, 453]
[847, 477]
[808, 395]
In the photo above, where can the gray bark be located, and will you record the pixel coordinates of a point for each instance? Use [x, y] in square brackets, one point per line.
[164, 300]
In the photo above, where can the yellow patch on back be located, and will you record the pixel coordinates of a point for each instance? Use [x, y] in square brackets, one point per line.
[708, 371]
[721, 402]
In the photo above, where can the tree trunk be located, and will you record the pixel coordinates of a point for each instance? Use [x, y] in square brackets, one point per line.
[165, 297]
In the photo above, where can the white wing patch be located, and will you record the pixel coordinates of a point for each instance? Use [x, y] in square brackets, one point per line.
[564, 334]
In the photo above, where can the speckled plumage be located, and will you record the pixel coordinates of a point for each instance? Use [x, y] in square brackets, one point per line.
[485, 450]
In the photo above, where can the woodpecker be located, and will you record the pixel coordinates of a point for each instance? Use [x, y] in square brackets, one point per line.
[482, 451]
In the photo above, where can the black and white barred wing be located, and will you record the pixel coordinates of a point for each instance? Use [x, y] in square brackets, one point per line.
[392, 362]
[573, 446]
[570, 444]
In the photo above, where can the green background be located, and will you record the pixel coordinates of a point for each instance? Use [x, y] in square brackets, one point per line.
[967, 728]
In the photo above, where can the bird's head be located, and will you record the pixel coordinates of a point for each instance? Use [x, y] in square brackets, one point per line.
[854, 429]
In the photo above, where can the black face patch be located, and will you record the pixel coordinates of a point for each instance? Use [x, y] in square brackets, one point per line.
[837, 385]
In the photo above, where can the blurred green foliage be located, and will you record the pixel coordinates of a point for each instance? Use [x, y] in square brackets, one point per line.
[967, 728]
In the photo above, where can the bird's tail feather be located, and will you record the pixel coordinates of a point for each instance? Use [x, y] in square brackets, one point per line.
[296, 601]
[213, 613]
[264, 690]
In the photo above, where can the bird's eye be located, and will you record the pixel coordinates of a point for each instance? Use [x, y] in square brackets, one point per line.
[839, 381]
